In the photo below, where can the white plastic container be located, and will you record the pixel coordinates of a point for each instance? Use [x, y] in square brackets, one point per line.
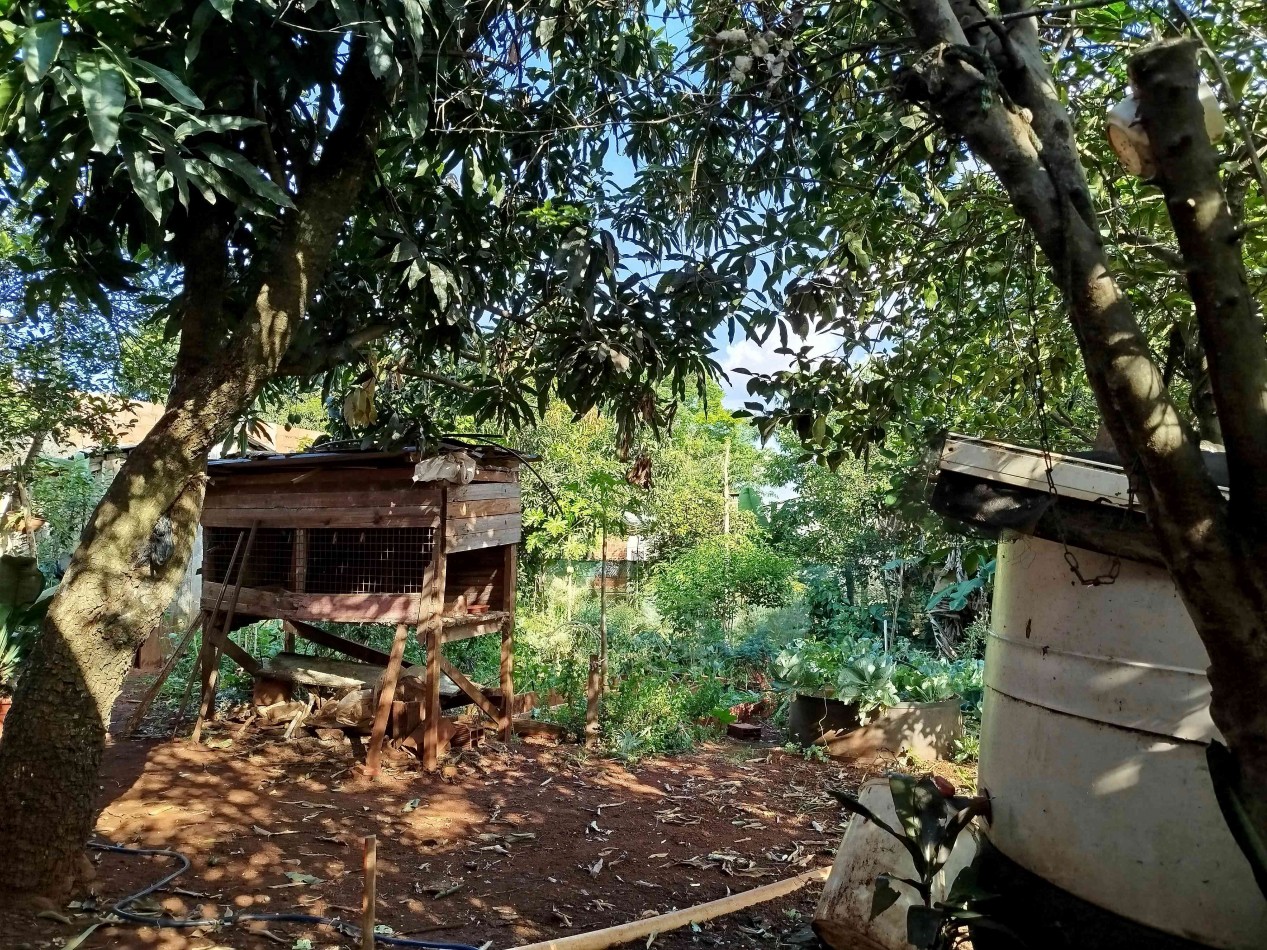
[843, 918]
[1093, 745]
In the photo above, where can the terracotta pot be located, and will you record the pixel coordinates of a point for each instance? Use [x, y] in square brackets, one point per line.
[5, 703]
[477, 609]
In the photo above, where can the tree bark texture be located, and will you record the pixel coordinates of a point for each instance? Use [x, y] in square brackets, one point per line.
[987, 82]
[114, 592]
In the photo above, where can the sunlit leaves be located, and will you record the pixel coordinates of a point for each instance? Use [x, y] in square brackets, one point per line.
[104, 95]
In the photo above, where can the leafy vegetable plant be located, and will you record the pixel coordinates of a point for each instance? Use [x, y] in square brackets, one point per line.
[931, 818]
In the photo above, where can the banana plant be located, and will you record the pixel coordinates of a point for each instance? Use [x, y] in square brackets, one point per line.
[23, 603]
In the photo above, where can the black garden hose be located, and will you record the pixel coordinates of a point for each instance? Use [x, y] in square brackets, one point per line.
[343, 927]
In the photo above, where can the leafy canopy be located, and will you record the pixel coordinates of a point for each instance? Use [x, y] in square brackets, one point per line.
[481, 267]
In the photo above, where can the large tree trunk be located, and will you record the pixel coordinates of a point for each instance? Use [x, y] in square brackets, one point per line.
[987, 82]
[115, 589]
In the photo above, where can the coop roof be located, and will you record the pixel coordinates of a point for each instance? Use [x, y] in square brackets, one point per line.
[340, 455]
[1083, 501]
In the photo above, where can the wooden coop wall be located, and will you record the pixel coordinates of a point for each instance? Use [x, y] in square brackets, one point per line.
[354, 544]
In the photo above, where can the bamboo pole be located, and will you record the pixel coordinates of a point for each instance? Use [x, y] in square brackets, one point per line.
[211, 652]
[151, 694]
[641, 929]
[368, 895]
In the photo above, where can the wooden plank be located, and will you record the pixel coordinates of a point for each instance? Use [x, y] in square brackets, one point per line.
[494, 475]
[405, 498]
[457, 528]
[332, 641]
[299, 560]
[484, 508]
[464, 629]
[496, 539]
[433, 625]
[238, 655]
[321, 671]
[351, 608]
[507, 667]
[481, 492]
[211, 656]
[373, 758]
[319, 518]
[470, 689]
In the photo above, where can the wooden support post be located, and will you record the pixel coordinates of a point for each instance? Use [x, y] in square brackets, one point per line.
[369, 892]
[509, 580]
[147, 700]
[209, 667]
[593, 689]
[299, 580]
[210, 652]
[432, 627]
[387, 693]
[431, 702]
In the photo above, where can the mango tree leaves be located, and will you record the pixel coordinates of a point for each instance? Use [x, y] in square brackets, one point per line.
[104, 95]
[40, 47]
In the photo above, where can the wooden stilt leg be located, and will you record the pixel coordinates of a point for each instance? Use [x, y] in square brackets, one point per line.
[211, 652]
[209, 657]
[508, 645]
[431, 705]
[147, 700]
[431, 631]
[387, 693]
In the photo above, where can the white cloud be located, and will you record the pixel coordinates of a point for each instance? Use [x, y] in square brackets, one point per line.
[748, 354]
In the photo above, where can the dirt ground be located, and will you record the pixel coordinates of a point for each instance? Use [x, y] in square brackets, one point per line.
[508, 846]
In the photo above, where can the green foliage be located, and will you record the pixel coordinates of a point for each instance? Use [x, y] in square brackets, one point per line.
[859, 671]
[711, 582]
[24, 601]
[64, 492]
[931, 817]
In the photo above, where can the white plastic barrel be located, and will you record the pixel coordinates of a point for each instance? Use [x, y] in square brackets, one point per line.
[1095, 719]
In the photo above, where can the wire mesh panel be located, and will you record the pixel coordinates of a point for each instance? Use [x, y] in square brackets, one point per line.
[269, 565]
[367, 560]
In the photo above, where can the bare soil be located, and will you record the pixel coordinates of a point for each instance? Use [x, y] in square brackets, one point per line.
[507, 845]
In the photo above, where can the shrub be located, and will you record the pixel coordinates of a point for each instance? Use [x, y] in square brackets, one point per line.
[711, 582]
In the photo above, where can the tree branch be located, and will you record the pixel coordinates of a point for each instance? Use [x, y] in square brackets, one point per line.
[1231, 327]
[1234, 102]
[1033, 152]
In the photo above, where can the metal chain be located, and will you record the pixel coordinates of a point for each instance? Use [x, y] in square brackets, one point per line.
[1040, 405]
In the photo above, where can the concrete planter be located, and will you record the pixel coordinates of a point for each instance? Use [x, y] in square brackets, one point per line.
[928, 730]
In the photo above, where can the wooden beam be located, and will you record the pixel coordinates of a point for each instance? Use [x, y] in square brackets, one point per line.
[147, 700]
[471, 690]
[321, 671]
[353, 608]
[507, 668]
[332, 641]
[211, 653]
[318, 518]
[640, 930]
[433, 628]
[404, 500]
[387, 693]
[224, 642]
